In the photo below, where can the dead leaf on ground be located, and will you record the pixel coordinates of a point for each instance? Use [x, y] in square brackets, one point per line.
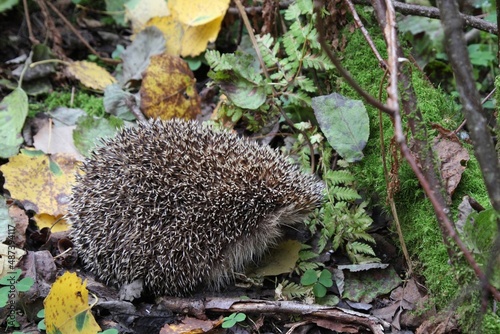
[140, 12]
[67, 307]
[42, 183]
[454, 158]
[90, 75]
[168, 89]
[190, 325]
[191, 25]
[56, 139]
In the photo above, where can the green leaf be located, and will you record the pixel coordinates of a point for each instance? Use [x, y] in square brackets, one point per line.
[319, 290]
[4, 295]
[25, 284]
[89, 130]
[11, 277]
[325, 278]
[41, 325]
[5, 5]
[309, 277]
[239, 317]
[345, 124]
[13, 112]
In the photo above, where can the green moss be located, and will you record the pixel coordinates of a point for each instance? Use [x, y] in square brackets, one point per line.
[91, 104]
[420, 227]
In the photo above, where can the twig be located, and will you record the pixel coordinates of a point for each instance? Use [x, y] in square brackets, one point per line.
[79, 36]
[433, 13]
[252, 36]
[482, 102]
[365, 33]
[318, 4]
[266, 73]
[199, 307]
[484, 147]
[28, 23]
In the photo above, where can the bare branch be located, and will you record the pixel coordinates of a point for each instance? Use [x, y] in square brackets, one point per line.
[433, 12]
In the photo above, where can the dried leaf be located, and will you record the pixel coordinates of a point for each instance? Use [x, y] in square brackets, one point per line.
[90, 75]
[140, 12]
[41, 182]
[454, 158]
[168, 89]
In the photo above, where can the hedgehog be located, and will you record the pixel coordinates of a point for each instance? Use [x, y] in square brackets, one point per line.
[178, 205]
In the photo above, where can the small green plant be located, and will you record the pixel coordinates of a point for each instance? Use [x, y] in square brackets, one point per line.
[258, 98]
[11, 284]
[41, 324]
[319, 281]
[8, 293]
[233, 319]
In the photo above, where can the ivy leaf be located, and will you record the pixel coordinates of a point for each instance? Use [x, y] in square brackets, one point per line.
[345, 124]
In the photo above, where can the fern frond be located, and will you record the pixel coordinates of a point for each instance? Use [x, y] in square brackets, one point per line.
[360, 248]
[293, 290]
[344, 194]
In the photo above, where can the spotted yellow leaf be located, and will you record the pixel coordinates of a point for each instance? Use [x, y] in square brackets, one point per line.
[67, 307]
[90, 75]
[168, 89]
[41, 182]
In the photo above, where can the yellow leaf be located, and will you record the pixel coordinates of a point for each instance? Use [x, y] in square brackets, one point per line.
[172, 31]
[168, 89]
[67, 307]
[41, 182]
[44, 220]
[140, 12]
[196, 39]
[198, 12]
[90, 75]
[192, 25]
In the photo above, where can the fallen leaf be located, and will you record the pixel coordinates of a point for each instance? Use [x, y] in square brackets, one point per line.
[280, 260]
[67, 307]
[90, 131]
[13, 112]
[454, 158]
[140, 12]
[345, 124]
[42, 183]
[147, 43]
[90, 75]
[56, 139]
[9, 257]
[168, 89]
[191, 25]
[365, 286]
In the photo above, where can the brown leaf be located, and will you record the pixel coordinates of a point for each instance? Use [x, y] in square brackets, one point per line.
[453, 159]
[168, 89]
